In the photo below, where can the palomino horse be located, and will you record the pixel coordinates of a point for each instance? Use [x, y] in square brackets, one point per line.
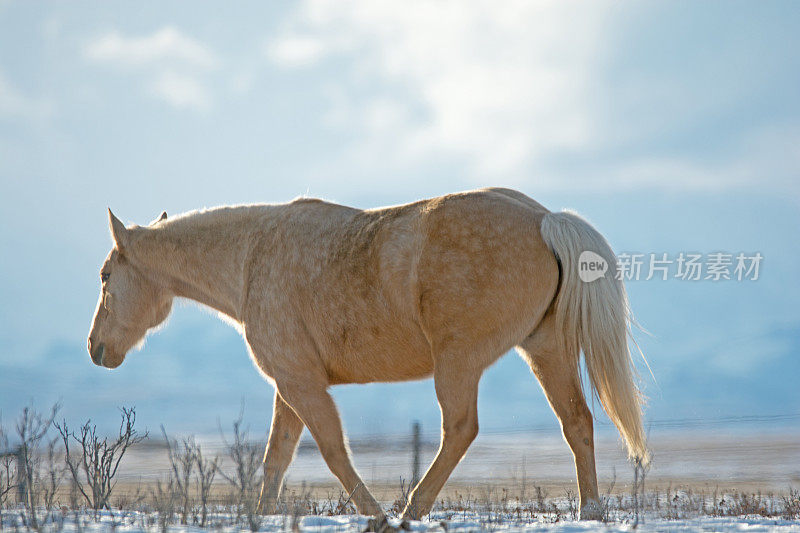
[325, 294]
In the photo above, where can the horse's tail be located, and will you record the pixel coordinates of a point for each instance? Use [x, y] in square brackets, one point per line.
[594, 317]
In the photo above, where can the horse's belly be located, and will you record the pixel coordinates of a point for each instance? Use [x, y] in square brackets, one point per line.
[368, 356]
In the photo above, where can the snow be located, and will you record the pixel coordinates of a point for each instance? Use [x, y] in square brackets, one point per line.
[133, 522]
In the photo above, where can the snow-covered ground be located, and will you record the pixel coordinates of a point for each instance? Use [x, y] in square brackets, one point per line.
[694, 477]
[438, 522]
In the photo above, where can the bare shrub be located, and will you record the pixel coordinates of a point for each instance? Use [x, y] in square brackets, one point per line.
[336, 505]
[128, 501]
[637, 489]
[163, 497]
[51, 476]
[791, 505]
[97, 459]
[344, 505]
[605, 501]
[8, 475]
[400, 503]
[572, 504]
[750, 504]
[182, 463]
[206, 472]
[37, 481]
[8, 472]
[247, 474]
[191, 475]
[299, 507]
[541, 499]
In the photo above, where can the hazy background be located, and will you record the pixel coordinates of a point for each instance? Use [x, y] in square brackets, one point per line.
[671, 126]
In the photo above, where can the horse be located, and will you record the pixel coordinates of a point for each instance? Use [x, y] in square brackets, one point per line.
[325, 294]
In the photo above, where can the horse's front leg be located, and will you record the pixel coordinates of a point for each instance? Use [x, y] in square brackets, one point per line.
[314, 405]
[290, 357]
[283, 437]
[457, 391]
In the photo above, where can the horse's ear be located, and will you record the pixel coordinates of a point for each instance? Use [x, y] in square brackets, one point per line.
[118, 231]
[161, 217]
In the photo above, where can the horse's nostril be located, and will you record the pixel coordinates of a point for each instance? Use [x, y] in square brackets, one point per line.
[89, 345]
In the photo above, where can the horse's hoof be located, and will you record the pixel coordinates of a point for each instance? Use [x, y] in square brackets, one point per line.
[382, 525]
[592, 511]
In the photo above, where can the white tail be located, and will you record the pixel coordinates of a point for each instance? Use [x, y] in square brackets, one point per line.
[595, 318]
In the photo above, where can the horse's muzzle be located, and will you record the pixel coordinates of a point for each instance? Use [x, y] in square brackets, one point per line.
[97, 354]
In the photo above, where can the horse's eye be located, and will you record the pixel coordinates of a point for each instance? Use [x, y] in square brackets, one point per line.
[104, 276]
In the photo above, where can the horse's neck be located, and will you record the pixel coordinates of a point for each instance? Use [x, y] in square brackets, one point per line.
[203, 256]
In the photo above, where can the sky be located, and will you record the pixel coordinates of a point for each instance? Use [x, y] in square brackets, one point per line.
[673, 126]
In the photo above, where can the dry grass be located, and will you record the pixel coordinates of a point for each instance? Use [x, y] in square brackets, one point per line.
[37, 491]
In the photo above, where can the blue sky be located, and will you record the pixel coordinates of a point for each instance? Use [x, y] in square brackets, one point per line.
[672, 126]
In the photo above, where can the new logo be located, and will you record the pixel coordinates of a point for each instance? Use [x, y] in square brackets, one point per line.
[591, 266]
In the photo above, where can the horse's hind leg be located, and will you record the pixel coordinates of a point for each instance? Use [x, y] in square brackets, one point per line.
[283, 436]
[315, 407]
[558, 374]
[457, 392]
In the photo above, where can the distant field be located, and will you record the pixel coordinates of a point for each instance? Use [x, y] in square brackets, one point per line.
[518, 462]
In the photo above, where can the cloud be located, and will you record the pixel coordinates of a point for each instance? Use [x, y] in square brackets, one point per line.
[180, 91]
[495, 84]
[763, 159]
[166, 46]
[294, 51]
[15, 104]
[176, 67]
[546, 92]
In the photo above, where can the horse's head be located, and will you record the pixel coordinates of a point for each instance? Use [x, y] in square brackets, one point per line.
[131, 300]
